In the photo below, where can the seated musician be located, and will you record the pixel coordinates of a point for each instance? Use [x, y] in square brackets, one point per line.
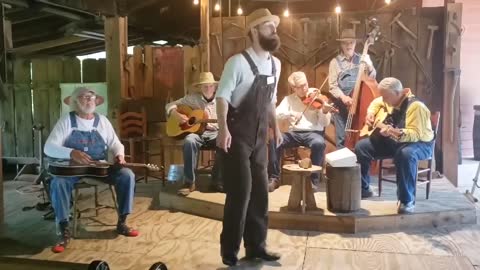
[307, 131]
[407, 137]
[202, 98]
[343, 73]
[84, 136]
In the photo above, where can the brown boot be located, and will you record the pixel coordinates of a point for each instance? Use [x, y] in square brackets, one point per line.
[186, 189]
[273, 183]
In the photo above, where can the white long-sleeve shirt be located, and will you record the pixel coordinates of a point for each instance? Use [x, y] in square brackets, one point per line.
[54, 145]
[311, 120]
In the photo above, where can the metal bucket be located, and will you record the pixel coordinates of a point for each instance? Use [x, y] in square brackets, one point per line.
[175, 173]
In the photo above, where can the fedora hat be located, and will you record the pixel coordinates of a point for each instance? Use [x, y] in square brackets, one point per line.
[204, 78]
[260, 16]
[81, 91]
[347, 35]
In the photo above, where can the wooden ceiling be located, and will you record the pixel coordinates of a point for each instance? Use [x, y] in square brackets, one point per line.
[75, 27]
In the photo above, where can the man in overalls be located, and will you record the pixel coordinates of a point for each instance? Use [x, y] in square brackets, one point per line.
[84, 136]
[343, 73]
[246, 99]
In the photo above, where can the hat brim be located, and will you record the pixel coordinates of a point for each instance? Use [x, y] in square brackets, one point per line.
[274, 18]
[198, 84]
[98, 101]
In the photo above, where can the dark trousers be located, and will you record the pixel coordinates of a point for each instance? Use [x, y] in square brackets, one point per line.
[246, 205]
[405, 157]
[311, 139]
[340, 120]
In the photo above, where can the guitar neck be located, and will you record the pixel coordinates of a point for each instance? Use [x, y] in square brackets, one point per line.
[126, 164]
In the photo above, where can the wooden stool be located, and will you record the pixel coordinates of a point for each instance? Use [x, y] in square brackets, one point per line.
[301, 192]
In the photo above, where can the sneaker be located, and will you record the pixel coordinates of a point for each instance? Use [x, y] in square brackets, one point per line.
[406, 208]
[64, 238]
[123, 229]
[262, 254]
[367, 193]
[186, 189]
[273, 183]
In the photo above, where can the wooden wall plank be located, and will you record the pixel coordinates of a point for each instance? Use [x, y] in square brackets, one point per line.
[2, 201]
[216, 47]
[55, 76]
[138, 66]
[21, 71]
[233, 36]
[148, 78]
[71, 70]
[40, 89]
[403, 66]
[8, 122]
[383, 64]
[94, 70]
[191, 63]
[23, 121]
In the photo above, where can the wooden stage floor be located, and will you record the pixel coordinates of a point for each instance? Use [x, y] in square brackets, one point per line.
[185, 241]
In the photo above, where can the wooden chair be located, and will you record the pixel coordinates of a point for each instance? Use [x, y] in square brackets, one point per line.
[132, 128]
[435, 118]
[88, 182]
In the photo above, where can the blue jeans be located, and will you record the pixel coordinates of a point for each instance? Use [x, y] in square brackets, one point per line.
[405, 157]
[339, 120]
[61, 192]
[311, 139]
[191, 146]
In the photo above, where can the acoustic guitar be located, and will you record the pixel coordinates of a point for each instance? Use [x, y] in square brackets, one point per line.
[97, 169]
[382, 121]
[197, 122]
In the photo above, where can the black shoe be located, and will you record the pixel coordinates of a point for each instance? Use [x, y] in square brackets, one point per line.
[216, 187]
[262, 254]
[273, 183]
[229, 260]
[367, 193]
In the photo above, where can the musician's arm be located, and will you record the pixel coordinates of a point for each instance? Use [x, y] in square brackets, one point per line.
[54, 145]
[172, 106]
[324, 118]
[332, 79]
[283, 109]
[417, 124]
[371, 69]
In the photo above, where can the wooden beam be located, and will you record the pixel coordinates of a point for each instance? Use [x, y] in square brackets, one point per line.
[116, 49]
[205, 35]
[47, 44]
[451, 90]
[2, 209]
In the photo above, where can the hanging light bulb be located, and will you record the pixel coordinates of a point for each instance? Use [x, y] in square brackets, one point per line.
[195, 2]
[239, 11]
[217, 7]
[286, 13]
[388, 2]
[338, 9]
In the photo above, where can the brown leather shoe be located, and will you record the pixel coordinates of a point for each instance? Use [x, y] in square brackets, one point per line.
[273, 183]
[186, 189]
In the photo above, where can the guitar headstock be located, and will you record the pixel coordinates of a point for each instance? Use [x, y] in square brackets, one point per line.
[372, 36]
[152, 167]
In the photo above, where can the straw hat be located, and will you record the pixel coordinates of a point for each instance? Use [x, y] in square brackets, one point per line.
[204, 78]
[260, 16]
[81, 91]
[347, 35]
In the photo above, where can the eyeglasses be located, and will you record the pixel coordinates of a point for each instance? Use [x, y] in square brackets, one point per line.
[87, 98]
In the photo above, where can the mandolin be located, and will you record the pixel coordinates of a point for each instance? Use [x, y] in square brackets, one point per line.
[96, 169]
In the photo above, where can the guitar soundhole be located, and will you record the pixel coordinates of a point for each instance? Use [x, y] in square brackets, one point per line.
[192, 121]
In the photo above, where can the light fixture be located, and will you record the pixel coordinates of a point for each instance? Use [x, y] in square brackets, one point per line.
[195, 2]
[338, 9]
[286, 13]
[388, 2]
[239, 11]
[217, 7]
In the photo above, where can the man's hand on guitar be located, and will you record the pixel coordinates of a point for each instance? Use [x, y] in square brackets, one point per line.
[224, 139]
[80, 157]
[347, 100]
[370, 119]
[120, 159]
[182, 118]
[391, 132]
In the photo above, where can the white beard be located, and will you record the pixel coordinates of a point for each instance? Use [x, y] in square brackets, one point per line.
[87, 109]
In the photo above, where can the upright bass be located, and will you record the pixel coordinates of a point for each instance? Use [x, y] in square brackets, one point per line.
[364, 92]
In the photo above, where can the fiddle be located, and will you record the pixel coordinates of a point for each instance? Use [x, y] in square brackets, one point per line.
[315, 100]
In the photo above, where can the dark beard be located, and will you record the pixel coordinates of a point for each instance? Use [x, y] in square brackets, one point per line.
[269, 44]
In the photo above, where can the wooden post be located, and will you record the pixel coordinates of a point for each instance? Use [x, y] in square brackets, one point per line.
[205, 35]
[451, 90]
[1, 185]
[116, 43]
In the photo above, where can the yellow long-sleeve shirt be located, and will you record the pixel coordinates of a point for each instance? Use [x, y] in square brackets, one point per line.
[418, 126]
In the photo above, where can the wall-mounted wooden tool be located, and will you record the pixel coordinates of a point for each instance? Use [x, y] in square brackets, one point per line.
[384, 40]
[237, 26]
[305, 22]
[329, 56]
[432, 29]
[456, 78]
[217, 38]
[418, 62]
[397, 21]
